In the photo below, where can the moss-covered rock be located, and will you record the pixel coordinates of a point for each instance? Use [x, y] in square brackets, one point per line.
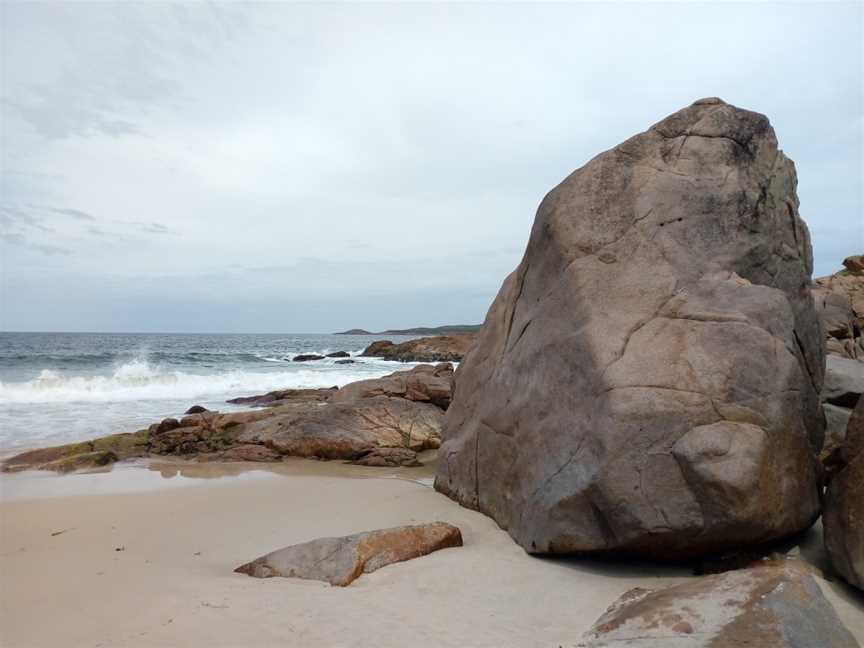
[82, 461]
[98, 452]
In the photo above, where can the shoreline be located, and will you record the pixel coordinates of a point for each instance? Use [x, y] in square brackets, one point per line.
[172, 582]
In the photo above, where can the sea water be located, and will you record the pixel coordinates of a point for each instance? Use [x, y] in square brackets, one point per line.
[64, 387]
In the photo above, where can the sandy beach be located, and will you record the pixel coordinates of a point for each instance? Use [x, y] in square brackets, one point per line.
[152, 566]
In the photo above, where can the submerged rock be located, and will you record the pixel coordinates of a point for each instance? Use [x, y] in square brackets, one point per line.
[777, 605]
[340, 561]
[647, 380]
[440, 348]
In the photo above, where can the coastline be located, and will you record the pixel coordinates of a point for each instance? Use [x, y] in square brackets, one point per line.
[172, 582]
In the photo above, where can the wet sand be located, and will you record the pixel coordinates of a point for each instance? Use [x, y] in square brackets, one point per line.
[82, 564]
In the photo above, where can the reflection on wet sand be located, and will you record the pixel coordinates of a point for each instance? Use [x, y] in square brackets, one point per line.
[155, 474]
[295, 467]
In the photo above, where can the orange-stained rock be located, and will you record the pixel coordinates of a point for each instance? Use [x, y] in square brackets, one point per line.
[340, 561]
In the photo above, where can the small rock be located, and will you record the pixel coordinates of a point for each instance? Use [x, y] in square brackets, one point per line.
[339, 354]
[344, 362]
[340, 561]
[307, 357]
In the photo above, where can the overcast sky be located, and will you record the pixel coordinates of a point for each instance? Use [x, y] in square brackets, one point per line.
[308, 168]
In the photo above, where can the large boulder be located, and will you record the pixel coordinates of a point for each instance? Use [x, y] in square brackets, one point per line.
[776, 605]
[843, 519]
[439, 348]
[423, 383]
[340, 561]
[647, 380]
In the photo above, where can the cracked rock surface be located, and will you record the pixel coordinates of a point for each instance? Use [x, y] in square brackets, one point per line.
[647, 379]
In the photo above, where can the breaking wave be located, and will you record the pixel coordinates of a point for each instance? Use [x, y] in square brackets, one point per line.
[139, 380]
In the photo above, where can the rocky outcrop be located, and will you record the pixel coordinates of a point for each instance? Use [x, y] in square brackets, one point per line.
[776, 605]
[839, 300]
[443, 348]
[647, 380]
[380, 422]
[843, 519]
[340, 561]
[424, 384]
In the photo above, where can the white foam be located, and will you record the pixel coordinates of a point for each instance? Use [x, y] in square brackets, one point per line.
[138, 380]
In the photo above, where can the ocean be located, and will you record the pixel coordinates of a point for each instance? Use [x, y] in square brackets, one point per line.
[64, 387]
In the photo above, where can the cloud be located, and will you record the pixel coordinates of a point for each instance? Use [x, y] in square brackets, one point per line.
[19, 239]
[350, 152]
[74, 213]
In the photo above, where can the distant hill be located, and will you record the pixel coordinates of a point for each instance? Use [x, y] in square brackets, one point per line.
[453, 329]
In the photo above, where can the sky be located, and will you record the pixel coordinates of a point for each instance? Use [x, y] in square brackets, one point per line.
[315, 167]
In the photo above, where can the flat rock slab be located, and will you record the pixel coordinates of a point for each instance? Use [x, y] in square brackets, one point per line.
[340, 561]
[778, 605]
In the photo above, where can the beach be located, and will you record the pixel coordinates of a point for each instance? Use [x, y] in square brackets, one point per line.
[152, 566]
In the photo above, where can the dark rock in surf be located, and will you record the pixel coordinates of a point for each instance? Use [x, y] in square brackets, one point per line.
[307, 357]
[339, 354]
[196, 409]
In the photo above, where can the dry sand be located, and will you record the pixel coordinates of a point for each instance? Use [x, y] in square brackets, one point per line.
[172, 582]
